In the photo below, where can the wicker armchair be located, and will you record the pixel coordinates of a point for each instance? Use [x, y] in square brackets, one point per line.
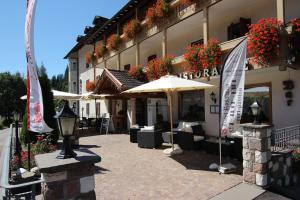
[149, 138]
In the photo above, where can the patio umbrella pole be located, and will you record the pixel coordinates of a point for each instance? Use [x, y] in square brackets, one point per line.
[171, 116]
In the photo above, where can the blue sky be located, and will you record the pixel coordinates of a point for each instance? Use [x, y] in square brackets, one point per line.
[58, 22]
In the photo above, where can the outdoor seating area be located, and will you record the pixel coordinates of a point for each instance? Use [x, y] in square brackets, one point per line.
[143, 170]
[189, 136]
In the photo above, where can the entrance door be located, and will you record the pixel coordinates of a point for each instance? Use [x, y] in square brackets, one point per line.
[141, 112]
[119, 110]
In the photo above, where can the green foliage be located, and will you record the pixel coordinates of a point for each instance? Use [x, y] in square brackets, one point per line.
[60, 81]
[12, 87]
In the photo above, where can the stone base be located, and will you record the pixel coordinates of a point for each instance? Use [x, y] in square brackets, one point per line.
[68, 178]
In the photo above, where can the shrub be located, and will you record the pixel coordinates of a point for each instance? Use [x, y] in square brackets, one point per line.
[264, 40]
[113, 42]
[100, 50]
[15, 161]
[138, 73]
[131, 28]
[42, 146]
[159, 67]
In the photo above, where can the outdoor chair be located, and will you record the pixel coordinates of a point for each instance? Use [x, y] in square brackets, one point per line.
[147, 138]
[191, 140]
[133, 134]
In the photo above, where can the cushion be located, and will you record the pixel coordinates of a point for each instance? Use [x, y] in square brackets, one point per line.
[198, 138]
[135, 126]
[148, 128]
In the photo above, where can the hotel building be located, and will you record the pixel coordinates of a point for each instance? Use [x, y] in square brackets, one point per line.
[187, 23]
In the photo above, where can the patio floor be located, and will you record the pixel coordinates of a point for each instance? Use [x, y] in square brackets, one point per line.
[129, 172]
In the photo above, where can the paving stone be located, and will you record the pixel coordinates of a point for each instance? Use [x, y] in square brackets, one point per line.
[129, 172]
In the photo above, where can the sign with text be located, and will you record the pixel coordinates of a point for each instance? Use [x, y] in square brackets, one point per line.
[232, 89]
[200, 74]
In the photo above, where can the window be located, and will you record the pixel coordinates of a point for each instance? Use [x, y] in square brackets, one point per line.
[198, 42]
[98, 109]
[238, 29]
[80, 86]
[74, 66]
[74, 86]
[262, 94]
[191, 106]
[87, 109]
[127, 67]
[152, 57]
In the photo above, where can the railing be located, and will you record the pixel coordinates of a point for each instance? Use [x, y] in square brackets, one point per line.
[7, 188]
[286, 139]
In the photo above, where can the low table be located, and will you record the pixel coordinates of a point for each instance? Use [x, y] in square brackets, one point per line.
[167, 137]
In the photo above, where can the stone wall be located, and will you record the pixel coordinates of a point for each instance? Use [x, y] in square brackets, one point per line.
[73, 183]
[281, 170]
[256, 153]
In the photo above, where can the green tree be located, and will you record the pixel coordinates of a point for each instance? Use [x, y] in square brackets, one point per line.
[12, 87]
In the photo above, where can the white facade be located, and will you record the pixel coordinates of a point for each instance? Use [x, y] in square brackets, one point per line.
[190, 28]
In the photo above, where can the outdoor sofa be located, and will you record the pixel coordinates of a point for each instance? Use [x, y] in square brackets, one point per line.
[149, 138]
[191, 140]
[133, 133]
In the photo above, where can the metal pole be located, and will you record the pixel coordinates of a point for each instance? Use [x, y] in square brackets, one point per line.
[169, 97]
[17, 147]
[28, 156]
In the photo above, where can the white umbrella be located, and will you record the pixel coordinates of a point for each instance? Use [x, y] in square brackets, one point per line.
[169, 84]
[91, 95]
[60, 95]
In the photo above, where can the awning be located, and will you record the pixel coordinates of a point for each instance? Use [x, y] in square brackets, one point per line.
[61, 95]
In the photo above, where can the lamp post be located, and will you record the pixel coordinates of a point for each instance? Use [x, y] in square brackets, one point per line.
[255, 108]
[17, 143]
[66, 120]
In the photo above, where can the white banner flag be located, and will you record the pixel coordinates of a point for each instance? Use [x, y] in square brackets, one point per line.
[232, 89]
[35, 108]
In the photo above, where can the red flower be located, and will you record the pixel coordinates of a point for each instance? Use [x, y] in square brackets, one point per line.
[40, 138]
[263, 39]
[159, 67]
[113, 42]
[131, 28]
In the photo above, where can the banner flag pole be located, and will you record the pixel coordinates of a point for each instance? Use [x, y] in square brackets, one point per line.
[231, 93]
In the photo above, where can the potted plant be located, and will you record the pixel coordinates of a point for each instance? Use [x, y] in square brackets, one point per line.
[90, 86]
[191, 56]
[113, 42]
[158, 11]
[100, 50]
[138, 73]
[186, 2]
[159, 67]
[88, 57]
[263, 40]
[210, 54]
[131, 28]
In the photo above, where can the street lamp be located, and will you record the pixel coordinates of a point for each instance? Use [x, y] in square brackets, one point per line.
[16, 116]
[66, 120]
[255, 108]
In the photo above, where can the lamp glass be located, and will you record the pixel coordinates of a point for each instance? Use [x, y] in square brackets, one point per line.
[67, 126]
[254, 108]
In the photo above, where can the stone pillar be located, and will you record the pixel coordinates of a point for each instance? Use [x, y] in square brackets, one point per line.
[205, 26]
[280, 10]
[256, 153]
[68, 178]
